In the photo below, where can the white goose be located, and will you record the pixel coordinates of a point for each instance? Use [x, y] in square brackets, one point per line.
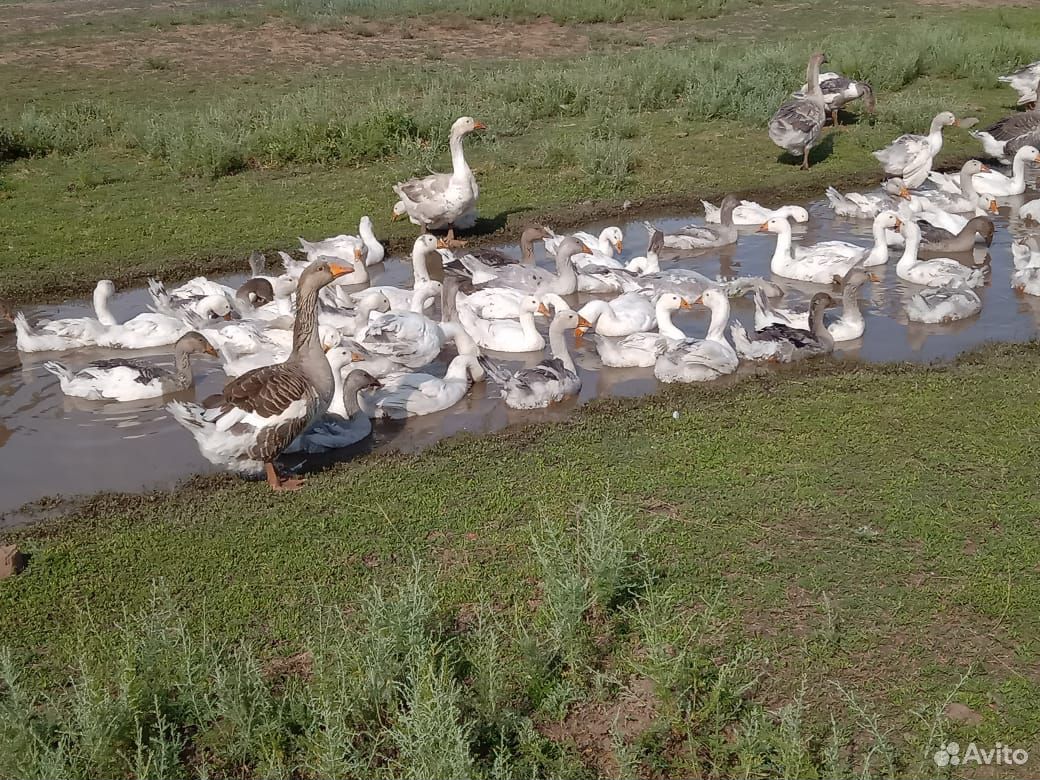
[600, 248]
[846, 328]
[444, 200]
[932, 273]
[859, 205]
[751, 213]
[642, 349]
[822, 262]
[1025, 256]
[954, 301]
[412, 395]
[627, 314]
[701, 360]
[531, 279]
[519, 335]
[910, 156]
[1026, 82]
[123, 379]
[503, 303]
[70, 333]
[551, 380]
[995, 184]
[344, 247]
[419, 298]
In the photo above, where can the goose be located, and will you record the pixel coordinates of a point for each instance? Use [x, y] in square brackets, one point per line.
[848, 327]
[503, 303]
[1025, 256]
[700, 237]
[412, 395]
[995, 184]
[935, 239]
[283, 285]
[627, 314]
[350, 321]
[551, 380]
[345, 248]
[1031, 211]
[530, 236]
[1025, 81]
[931, 273]
[838, 91]
[151, 329]
[784, 344]
[260, 413]
[822, 262]
[123, 379]
[419, 298]
[701, 360]
[951, 302]
[413, 339]
[1005, 137]
[642, 349]
[751, 213]
[796, 125]
[519, 335]
[254, 294]
[910, 156]
[534, 280]
[609, 240]
[70, 333]
[239, 354]
[858, 205]
[444, 200]
[376, 365]
[198, 296]
[957, 194]
[344, 423]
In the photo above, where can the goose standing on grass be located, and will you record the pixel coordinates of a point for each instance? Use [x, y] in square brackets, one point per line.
[931, 273]
[1005, 137]
[849, 326]
[910, 156]
[344, 248]
[693, 237]
[413, 395]
[935, 239]
[796, 125]
[551, 380]
[642, 349]
[1026, 82]
[997, 185]
[344, 424]
[444, 200]
[260, 413]
[494, 257]
[838, 91]
[784, 344]
[954, 301]
[69, 333]
[701, 360]
[123, 379]
[750, 213]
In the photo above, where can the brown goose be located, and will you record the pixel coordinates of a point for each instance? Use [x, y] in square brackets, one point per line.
[495, 258]
[935, 239]
[260, 413]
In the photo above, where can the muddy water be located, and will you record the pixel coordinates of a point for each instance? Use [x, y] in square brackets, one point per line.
[52, 445]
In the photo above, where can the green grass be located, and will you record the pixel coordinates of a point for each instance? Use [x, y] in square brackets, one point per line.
[126, 178]
[855, 545]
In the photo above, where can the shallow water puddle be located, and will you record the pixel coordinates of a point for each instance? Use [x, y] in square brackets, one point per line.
[50, 444]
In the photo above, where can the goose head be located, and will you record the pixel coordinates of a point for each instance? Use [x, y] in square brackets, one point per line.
[612, 236]
[317, 275]
[775, 225]
[358, 380]
[656, 242]
[945, 119]
[194, 343]
[673, 302]
[465, 125]
[1028, 153]
[215, 307]
[889, 220]
[340, 356]
[974, 166]
[255, 292]
[398, 211]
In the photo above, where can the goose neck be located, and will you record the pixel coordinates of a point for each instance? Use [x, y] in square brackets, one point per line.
[558, 345]
[665, 326]
[719, 319]
[101, 309]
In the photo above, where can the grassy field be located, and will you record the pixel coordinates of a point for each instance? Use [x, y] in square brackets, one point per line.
[246, 130]
[802, 575]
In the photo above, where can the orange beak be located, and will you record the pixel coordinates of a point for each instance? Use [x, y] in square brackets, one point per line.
[985, 168]
[700, 299]
[479, 126]
[1037, 158]
[325, 348]
[994, 207]
[393, 216]
[956, 122]
[338, 270]
[356, 357]
[210, 351]
[585, 247]
[442, 244]
[899, 224]
[358, 255]
[874, 277]
[583, 323]
[229, 316]
[685, 304]
[763, 228]
[904, 193]
[619, 246]
[543, 310]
